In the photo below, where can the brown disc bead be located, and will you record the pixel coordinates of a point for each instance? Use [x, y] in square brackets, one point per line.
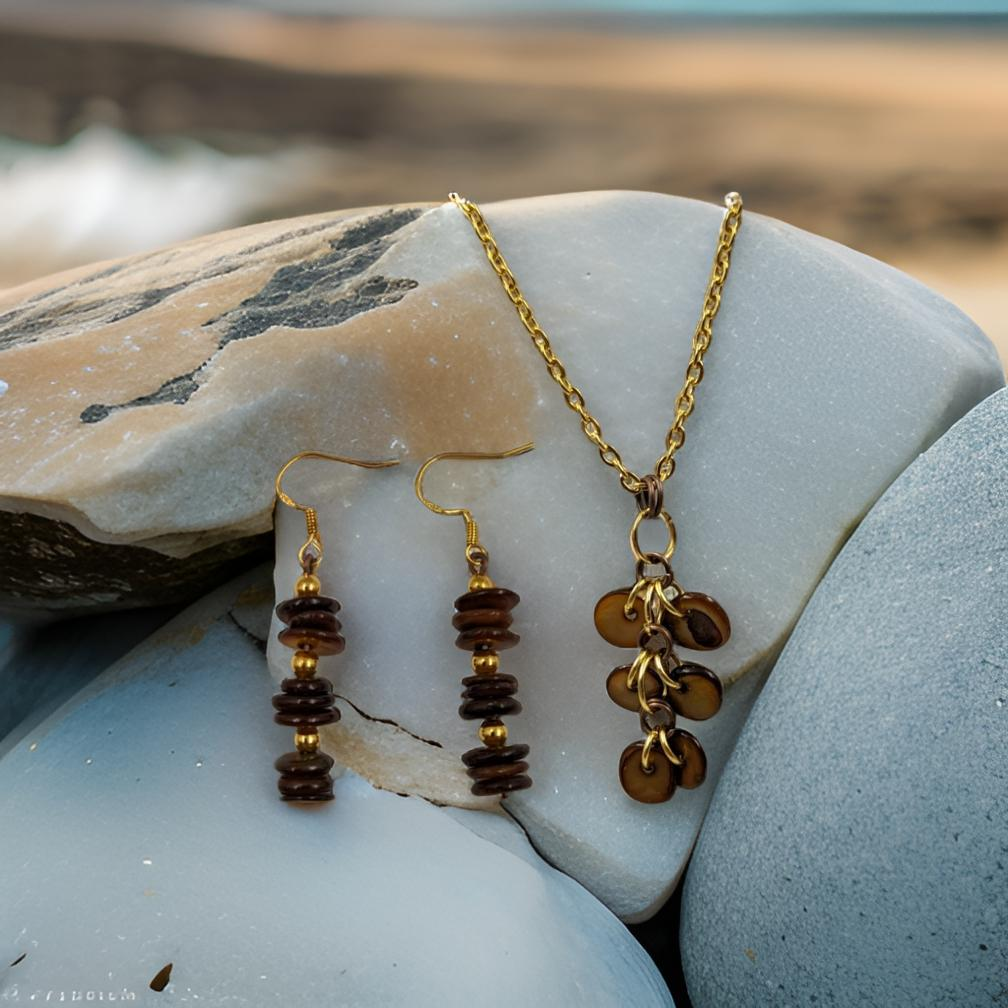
[320, 642]
[497, 771]
[482, 618]
[316, 619]
[305, 776]
[466, 619]
[305, 703]
[648, 786]
[700, 694]
[478, 687]
[616, 687]
[491, 707]
[704, 625]
[287, 610]
[486, 639]
[498, 599]
[687, 747]
[611, 622]
[311, 624]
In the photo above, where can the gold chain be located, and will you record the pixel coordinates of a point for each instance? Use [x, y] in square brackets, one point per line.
[572, 394]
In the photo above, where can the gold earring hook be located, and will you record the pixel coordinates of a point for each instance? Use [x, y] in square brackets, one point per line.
[476, 554]
[310, 554]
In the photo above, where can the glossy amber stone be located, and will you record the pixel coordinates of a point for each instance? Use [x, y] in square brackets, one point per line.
[704, 625]
[611, 622]
[700, 695]
[687, 747]
[616, 687]
[652, 787]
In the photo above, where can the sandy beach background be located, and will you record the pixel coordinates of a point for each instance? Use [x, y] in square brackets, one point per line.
[888, 135]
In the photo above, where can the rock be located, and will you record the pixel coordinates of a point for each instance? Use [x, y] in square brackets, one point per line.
[854, 853]
[44, 664]
[142, 828]
[385, 333]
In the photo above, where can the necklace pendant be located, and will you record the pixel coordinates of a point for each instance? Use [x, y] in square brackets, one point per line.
[658, 685]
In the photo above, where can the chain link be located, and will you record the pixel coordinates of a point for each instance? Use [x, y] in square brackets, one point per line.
[573, 396]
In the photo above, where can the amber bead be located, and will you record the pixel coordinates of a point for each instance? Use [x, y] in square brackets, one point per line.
[611, 621]
[687, 747]
[703, 626]
[700, 694]
[649, 786]
[616, 687]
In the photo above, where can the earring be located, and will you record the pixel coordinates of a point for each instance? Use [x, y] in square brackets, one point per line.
[312, 629]
[483, 617]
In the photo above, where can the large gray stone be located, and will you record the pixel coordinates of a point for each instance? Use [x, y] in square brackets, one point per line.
[856, 850]
[141, 826]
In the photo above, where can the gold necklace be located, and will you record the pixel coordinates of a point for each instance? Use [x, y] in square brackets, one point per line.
[655, 613]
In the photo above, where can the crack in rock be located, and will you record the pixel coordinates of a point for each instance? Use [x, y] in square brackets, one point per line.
[388, 721]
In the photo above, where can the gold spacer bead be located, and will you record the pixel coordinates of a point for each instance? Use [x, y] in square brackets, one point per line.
[306, 742]
[304, 664]
[485, 662]
[479, 581]
[307, 584]
[493, 734]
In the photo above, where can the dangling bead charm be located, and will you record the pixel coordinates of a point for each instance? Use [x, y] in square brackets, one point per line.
[306, 701]
[483, 621]
[658, 685]
[483, 618]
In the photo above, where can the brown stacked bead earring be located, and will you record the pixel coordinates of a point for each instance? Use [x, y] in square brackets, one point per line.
[306, 700]
[483, 621]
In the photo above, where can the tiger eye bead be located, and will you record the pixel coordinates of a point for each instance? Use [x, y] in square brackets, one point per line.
[693, 770]
[703, 626]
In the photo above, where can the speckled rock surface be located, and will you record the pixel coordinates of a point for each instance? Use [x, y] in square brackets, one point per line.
[141, 826]
[856, 851]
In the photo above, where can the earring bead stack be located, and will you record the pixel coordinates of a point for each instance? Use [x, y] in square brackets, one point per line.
[306, 701]
[483, 618]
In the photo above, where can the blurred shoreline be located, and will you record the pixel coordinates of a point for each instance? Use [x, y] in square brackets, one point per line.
[884, 135]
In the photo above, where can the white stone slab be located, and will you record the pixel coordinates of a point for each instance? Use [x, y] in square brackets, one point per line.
[141, 827]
